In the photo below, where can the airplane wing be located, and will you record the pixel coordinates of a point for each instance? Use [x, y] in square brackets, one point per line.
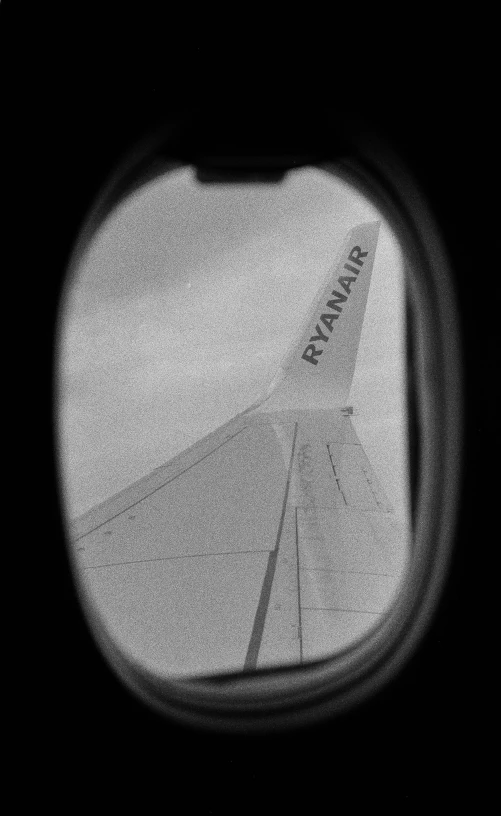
[268, 542]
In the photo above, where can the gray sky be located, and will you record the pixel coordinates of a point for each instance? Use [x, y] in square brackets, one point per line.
[184, 306]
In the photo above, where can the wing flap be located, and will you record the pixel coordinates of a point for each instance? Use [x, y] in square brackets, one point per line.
[350, 549]
[345, 590]
[325, 632]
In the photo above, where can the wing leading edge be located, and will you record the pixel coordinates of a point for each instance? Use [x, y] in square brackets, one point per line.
[268, 542]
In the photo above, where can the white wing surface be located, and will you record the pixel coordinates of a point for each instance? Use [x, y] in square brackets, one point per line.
[268, 542]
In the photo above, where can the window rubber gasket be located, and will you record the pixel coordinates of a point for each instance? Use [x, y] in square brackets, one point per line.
[285, 697]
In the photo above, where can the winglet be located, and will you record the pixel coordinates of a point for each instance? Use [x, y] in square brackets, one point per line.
[318, 370]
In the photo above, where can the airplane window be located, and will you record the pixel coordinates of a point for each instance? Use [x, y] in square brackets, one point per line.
[233, 425]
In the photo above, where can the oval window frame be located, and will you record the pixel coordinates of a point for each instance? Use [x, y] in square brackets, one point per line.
[289, 696]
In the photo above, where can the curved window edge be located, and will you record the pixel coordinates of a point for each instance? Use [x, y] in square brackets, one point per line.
[292, 696]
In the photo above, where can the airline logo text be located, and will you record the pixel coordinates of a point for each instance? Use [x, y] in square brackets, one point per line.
[311, 352]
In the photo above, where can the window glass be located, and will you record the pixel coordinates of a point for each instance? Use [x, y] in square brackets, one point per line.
[206, 555]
